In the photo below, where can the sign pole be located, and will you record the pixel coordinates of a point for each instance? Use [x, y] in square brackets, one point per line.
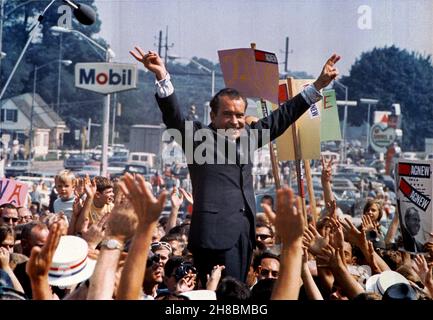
[298, 155]
[274, 163]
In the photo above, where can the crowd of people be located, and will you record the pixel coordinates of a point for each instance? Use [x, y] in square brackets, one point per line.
[107, 239]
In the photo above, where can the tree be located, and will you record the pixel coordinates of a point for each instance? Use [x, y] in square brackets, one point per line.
[393, 75]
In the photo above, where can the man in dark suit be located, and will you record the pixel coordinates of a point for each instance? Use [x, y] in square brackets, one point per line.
[223, 219]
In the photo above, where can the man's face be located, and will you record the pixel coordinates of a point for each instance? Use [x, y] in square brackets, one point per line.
[25, 215]
[106, 196]
[9, 216]
[269, 269]
[230, 115]
[155, 273]
[413, 223]
[263, 235]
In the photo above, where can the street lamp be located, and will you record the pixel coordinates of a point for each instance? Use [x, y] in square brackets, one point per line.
[83, 13]
[369, 102]
[212, 72]
[109, 54]
[35, 75]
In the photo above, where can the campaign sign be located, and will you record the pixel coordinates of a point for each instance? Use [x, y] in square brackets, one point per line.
[252, 72]
[414, 195]
[12, 191]
[105, 77]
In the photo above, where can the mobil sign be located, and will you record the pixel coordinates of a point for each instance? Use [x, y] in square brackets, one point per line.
[105, 77]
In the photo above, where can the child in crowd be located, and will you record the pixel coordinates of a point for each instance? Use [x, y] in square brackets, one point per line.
[65, 185]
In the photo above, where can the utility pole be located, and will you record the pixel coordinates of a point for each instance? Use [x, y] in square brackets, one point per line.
[160, 43]
[164, 45]
[286, 55]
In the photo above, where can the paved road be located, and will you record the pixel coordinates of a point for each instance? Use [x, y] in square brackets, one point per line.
[50, 168]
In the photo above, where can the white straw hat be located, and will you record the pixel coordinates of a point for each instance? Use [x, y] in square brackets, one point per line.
[380, 282]
[70, 262]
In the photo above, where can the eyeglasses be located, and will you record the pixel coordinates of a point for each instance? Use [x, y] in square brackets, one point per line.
[263, 236]
[183, 270]
[7, 246]
[266, 272]
[13, 219]
[157, 245]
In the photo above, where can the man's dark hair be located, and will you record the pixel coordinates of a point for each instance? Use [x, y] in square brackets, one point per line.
[265, 254]
[171, 237]
[262, 290]
[28, 227]
[232, 290]
[103, 183]
[172, 264]
[233, 94]
[8, 206]
[264, 225]
[183, 229]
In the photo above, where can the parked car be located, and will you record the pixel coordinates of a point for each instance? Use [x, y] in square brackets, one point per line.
[76, 161]
[17, 167]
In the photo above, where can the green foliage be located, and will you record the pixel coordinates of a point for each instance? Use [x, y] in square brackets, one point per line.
[393, 75]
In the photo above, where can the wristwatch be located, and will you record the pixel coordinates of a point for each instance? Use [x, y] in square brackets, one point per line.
[112, 244]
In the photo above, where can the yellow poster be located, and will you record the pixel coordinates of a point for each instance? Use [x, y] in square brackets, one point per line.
[307, 127]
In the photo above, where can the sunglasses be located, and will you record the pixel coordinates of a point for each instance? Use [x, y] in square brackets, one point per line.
[13, 219]
[157, 245]
[263, 236]
[266, 272]
[7, 246]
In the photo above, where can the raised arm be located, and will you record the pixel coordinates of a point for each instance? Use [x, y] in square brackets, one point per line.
[148, 209]
[151, 61]
[279, 120]
[289, 225]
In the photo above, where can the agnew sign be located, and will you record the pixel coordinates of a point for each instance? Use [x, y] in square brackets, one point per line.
[105, 77]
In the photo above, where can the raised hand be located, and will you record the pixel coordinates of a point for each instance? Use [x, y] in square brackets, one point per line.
[329, 72]
[367, 223]
[337, 235]
[146, 206]
[313, 241]
[353, 235]
[176, 200]
[214, 278]
[90, 186]
[289, 221]
[40, 259]
[423, 269]
[269, 213]
[331, 206]
[4, 258]
[151, 61]
[326, 170]
[95, 233]
[187, 195]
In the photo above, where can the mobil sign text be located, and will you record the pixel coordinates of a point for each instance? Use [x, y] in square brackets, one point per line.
[105, 77]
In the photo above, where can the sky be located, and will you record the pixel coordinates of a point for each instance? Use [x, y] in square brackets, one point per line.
[316, 28]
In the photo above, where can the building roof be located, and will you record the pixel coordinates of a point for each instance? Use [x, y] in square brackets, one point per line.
[44, 117]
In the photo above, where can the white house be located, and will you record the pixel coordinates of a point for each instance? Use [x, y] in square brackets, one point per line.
[48, 127]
